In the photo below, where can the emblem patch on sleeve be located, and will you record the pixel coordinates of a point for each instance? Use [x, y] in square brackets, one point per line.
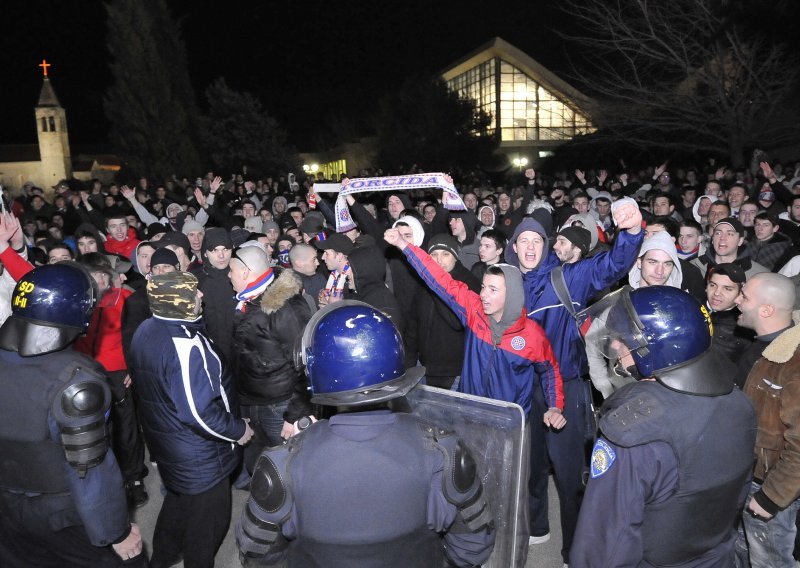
[603, 457]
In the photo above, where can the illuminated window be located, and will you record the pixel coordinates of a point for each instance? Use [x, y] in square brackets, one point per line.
[333, 170]
[525, 111]
[478, 84]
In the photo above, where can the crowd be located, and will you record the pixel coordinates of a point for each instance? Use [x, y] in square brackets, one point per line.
[485, 299]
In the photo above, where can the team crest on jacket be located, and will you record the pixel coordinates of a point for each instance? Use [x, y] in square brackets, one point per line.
[603, 457]
[518, 343]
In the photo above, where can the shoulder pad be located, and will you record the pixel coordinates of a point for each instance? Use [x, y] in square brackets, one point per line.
[637, 416]
[80, 409]
[461, 484]
[270, 503]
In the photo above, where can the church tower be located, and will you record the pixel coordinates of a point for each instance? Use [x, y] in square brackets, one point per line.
[51, 127]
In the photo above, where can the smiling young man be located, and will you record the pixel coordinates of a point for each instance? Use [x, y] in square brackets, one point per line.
[725, 283]
[727, 236]
[121, 241]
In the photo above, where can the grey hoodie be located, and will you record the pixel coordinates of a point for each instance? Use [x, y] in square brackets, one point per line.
[660, 241]
[515, 295]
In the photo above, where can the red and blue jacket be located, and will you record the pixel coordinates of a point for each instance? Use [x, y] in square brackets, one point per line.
[507, 371]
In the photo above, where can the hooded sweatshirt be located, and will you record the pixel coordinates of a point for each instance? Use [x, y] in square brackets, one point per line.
[659, 241]
[584, 279]
[500, 358]
[696, 208]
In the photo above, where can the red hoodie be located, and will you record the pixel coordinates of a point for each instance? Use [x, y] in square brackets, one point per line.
[122, 248]
[103, 340]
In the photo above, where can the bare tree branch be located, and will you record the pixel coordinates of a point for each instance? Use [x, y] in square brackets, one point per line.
[683, 70]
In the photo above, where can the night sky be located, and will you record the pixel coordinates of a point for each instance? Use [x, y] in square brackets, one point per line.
[305, 60]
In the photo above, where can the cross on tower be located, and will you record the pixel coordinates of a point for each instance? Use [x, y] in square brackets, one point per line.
[44, 65]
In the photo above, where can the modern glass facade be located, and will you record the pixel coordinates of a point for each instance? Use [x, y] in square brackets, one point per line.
[524, 110]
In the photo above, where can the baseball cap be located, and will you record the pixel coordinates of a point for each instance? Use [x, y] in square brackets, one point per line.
[337, 242]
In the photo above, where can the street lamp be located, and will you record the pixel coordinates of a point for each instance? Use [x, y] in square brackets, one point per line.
[520, 162]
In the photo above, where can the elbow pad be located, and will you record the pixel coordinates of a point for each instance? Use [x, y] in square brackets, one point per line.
[462, 486]
[80, 408]
[269, 506]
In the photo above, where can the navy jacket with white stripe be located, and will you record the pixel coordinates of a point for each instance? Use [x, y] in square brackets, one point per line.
[187, 405]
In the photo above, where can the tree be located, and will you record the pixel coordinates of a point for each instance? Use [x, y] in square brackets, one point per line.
[685, 74]
[237, 131]
[425, 123]
[150, 103]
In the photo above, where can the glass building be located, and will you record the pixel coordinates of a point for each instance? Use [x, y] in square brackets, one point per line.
[531, 109]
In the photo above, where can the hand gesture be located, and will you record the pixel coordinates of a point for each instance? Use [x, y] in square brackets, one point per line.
[580, 175]
[554, 419]
[623, 178]
[720, 173]
[602, 176]
[216, 183]
[394, 238]
[530, 173]
[249, 186]
[198, 195]
[766, 169]
[9, 229]
[84, 196]
[627, 215]
[660, 170]
[128, 193]
[248, 433]
[131, 546]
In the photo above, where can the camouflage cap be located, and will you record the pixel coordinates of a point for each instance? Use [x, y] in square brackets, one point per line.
[173, 296]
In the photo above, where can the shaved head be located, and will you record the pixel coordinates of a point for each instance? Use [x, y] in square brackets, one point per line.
[774, 289]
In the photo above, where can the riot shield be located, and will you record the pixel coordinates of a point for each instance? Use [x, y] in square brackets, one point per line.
[494, 432]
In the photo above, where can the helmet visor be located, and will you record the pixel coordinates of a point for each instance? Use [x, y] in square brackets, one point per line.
[613, 326]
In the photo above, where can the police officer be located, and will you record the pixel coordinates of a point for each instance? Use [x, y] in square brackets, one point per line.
[62, 500]
[369, 487]
[671, 470]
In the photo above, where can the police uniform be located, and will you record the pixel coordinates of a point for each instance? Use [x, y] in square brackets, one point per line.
[367, 488]
[667, 479]
[671, 471]
[62, 501]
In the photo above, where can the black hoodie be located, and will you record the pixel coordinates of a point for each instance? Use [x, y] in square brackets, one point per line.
[369, 272]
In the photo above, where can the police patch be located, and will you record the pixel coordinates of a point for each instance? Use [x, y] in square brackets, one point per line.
[603, 457]
[518, 343]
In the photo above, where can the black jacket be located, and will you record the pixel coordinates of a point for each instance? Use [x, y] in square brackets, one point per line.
[434, 334]
[219, 304]
[729, 338]
[264, 339]
[369, 270]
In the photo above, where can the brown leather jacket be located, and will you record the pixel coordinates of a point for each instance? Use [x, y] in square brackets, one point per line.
[774, 387]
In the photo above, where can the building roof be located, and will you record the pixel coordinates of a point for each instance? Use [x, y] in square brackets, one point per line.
[47, 98]
[498, 47]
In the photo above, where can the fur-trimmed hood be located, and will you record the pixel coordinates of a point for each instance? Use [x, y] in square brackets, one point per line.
[287, 285]
[783, 347]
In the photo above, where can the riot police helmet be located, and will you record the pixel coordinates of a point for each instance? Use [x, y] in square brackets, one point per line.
[663, 333]
[353, 356]
[50, 307]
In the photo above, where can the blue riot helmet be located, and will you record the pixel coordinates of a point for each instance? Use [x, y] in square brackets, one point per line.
[665, 332]
[353, 355]
[50, 307]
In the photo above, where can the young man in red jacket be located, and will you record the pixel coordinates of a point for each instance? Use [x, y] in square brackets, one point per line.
[121, 239]
[103, 342]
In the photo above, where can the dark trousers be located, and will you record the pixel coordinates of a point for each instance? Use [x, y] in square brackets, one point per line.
[31, 536]
[563, 450]
[192, 527]
[126, 438]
